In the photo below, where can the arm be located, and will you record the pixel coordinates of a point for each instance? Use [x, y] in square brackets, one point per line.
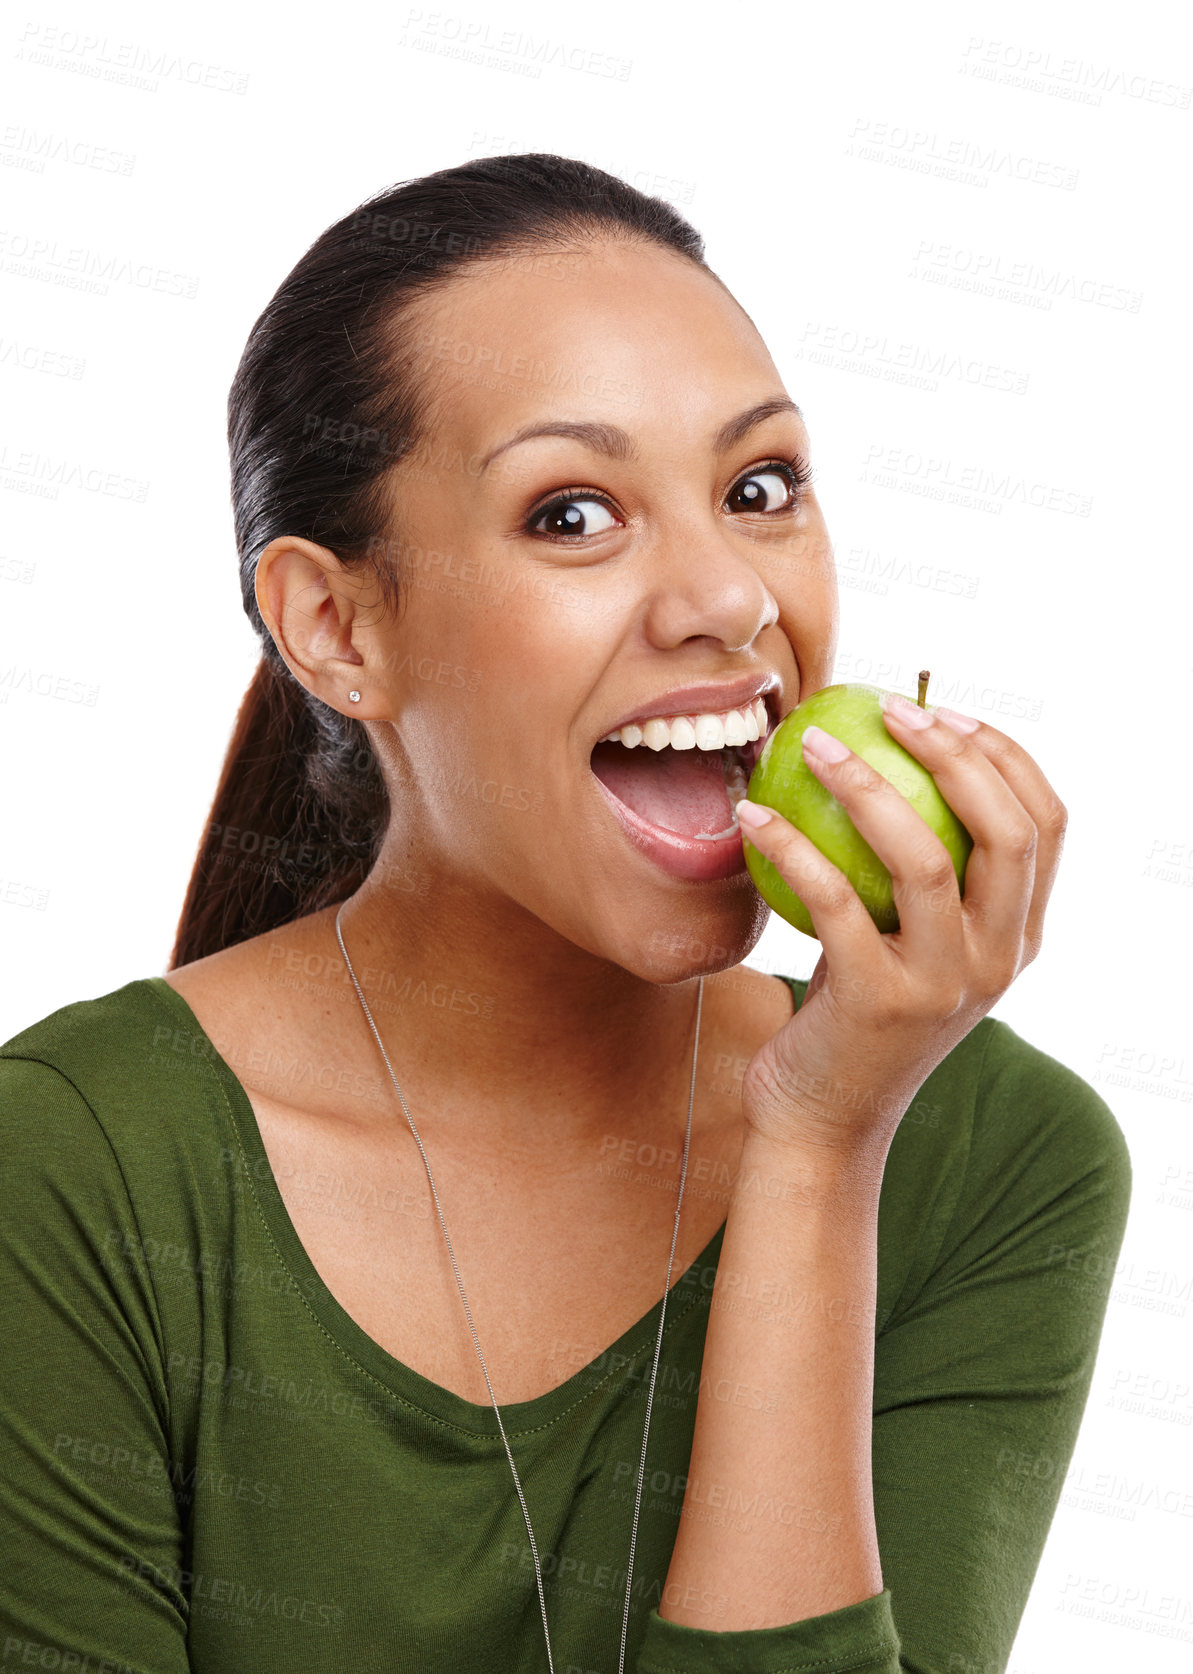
[91, 1548]
[983, 1376]
[981, 1379]
[823, 1099]
[792, 1312]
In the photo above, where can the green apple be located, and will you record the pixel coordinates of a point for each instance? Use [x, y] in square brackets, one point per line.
[782, 780]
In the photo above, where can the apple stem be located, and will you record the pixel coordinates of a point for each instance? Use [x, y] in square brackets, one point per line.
[923, 692]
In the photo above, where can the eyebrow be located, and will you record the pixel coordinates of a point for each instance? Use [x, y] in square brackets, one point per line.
[616, 443]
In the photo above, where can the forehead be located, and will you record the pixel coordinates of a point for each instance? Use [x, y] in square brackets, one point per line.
[619, 333]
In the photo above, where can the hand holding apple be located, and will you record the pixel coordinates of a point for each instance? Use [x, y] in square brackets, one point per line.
[882, 1010]
[782, 780]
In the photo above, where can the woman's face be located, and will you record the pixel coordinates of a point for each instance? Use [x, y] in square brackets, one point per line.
[576, 582]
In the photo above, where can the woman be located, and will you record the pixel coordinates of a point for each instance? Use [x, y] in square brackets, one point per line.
[338, 1256]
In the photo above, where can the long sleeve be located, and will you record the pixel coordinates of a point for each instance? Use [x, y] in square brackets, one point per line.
[983, 1366]
[91, 1547]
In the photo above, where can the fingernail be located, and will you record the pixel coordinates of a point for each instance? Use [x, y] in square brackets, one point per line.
[959, 723]
[904, 710]
[752, 814]
[823, 745]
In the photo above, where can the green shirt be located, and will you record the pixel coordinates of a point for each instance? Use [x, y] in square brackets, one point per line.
[207, 1465]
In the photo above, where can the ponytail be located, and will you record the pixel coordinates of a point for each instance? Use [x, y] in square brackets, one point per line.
[267, 854]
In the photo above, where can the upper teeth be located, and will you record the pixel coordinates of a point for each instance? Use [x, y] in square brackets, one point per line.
[699, 732]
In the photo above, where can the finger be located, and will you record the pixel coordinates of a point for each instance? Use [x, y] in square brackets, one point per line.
[1027, 780]
[923, 877]
[843, 927]
[1000, 872]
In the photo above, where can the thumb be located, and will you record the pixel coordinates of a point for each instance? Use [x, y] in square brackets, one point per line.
[818, 978]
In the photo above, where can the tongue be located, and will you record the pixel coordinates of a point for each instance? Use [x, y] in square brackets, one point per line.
[681, 790]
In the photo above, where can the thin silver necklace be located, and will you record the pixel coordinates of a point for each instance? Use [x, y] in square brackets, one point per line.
[625, 1622]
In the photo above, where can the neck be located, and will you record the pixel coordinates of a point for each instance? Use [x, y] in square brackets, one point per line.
[524, 1031]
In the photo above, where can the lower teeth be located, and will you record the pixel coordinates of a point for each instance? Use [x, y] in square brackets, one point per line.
[736, 784]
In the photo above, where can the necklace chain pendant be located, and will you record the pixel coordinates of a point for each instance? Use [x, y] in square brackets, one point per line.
[476, 1340]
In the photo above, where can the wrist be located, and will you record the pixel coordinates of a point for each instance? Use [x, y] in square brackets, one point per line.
[793, 1153]
[828, 1110]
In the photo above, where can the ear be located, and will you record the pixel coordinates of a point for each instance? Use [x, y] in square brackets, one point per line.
[314, 607]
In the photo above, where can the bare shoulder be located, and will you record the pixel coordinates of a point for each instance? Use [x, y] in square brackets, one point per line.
[237, 996]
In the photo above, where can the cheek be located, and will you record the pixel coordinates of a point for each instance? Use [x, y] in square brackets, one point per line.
[798, 570]
[439, 673]
[803, 582]
[447, 653]
[510, 676]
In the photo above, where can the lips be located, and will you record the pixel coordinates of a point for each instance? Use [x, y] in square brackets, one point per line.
[705, 700]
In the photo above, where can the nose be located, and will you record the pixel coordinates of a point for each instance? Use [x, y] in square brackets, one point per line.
[702, 585]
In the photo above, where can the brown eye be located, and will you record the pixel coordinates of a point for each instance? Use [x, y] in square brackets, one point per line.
[755, 492]
[564, 517]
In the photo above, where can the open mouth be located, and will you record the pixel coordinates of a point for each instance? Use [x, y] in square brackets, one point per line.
[678, 808]
[691, 794]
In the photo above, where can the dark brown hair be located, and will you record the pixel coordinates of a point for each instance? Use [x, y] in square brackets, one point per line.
[324, 402]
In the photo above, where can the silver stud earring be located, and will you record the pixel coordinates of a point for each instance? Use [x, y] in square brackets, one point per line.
[354, 697]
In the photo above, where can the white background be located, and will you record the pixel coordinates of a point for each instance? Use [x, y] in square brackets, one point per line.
[997, 192]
